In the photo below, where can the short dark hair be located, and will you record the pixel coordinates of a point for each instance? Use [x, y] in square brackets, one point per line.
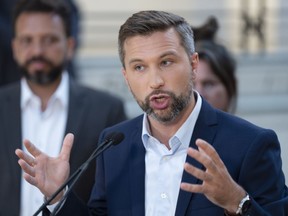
[223, 65]
[58, 7]
[147, 22]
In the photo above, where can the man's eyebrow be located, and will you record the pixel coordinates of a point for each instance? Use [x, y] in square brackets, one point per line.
[173, 53]
[168, 53]
[133, 60]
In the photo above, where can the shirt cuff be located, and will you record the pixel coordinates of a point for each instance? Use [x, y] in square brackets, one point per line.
[53, 206]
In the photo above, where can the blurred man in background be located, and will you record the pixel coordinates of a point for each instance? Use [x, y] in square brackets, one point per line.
[46, 104]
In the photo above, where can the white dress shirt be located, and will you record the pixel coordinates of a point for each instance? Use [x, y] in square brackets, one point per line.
[45, 129]
[164, 167]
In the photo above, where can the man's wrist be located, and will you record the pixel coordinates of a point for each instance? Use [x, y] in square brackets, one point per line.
[243, 207]
[52, 206]
[57, 198]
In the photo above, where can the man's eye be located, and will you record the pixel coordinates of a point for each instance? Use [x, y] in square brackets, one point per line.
[139, 68]
[49, 40]
[25, 41]
[166, 63]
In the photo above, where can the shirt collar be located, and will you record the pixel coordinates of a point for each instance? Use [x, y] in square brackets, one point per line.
[61, 93]
[184, 133]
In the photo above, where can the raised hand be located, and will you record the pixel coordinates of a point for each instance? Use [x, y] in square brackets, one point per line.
[217, 184]
[44, 172]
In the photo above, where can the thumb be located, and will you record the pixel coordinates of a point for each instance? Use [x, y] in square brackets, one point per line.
[67, 146]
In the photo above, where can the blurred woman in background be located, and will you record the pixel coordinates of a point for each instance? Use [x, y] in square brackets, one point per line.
[215, 79]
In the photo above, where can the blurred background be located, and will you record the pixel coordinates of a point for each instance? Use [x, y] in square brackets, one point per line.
[255, 31]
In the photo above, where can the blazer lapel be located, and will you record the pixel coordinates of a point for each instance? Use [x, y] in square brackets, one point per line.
[13, 137]
[137, 171]
[76, 114]
[205, 129]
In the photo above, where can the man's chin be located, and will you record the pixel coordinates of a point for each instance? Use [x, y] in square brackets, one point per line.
[40, 80]
[41, 77]
[163, 116]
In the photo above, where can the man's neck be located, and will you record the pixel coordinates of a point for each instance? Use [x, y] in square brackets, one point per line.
[44, 92]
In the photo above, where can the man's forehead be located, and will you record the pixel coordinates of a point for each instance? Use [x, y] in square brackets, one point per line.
[36, 21]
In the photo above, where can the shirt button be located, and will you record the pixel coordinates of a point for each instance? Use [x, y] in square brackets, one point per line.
[163, 195]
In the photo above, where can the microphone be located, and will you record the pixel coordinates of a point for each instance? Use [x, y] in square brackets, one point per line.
[113, 138]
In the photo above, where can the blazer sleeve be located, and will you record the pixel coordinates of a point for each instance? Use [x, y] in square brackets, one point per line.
[262, 177]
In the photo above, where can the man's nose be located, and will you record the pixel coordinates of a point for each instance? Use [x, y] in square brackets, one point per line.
[156, 78]
[36, 48]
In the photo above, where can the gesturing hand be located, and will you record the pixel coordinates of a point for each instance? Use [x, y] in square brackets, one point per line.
[44, 172]
[217, 184]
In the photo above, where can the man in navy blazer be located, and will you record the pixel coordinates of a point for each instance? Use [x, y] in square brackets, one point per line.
[182, 157]
[120, 178]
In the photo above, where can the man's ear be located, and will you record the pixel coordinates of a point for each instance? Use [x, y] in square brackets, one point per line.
[194, 63]
[71, 43]
[123, 70]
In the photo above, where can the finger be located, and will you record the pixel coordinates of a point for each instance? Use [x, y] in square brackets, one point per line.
[30, 179]
[25, 157]
[193, 188]
[201, 157]
[197, 173]
[26, 168]
[209, 150]
[19, 153]
[32, 149]
[67, 146]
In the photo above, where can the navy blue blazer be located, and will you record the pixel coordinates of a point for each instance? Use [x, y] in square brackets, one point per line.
[250, 153]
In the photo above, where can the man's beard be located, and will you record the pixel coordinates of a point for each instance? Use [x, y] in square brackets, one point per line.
[179, 103]
[41, 77]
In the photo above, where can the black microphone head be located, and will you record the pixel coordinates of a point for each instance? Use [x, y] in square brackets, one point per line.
[110, 136]
[115, 137]
[118, 137]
